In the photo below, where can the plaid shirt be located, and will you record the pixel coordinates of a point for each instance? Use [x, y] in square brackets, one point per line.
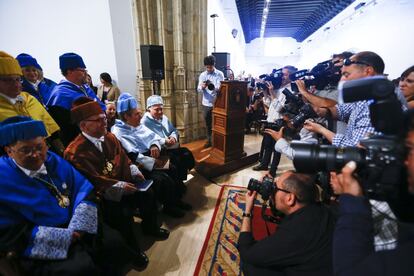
[386, 229]
[356, 115]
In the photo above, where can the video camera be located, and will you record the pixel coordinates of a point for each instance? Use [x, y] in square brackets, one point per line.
[275, 78]
[288, 132]
[381, 161]
[322, 75]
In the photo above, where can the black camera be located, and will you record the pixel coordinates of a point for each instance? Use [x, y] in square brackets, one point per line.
[296, 105]
[381, 161]
[210, 85]
[258, 96]
[264, 188]
[322, 75]
[276, 78]
[288, 132]
[305, 112]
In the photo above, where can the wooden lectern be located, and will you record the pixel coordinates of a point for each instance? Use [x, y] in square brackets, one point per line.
[228, 121]
[227, 153]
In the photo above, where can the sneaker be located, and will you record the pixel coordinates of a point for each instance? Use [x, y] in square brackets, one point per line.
[260, 167]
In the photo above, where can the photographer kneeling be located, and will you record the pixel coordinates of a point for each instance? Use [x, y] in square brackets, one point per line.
[302, 243]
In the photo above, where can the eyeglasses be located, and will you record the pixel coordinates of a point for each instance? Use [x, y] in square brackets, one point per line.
[30, 151]
[16, 79]
[282, 190]
[348, 62]
[81, 70]
[100, 119]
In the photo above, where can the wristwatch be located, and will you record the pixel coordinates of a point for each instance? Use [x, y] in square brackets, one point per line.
[250, 215]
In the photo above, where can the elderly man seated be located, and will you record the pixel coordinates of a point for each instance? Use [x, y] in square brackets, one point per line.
[143, 146]
[99, 155]
[155, 120]
[48, 215]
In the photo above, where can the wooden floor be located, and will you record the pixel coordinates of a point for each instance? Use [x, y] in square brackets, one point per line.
[179, 254]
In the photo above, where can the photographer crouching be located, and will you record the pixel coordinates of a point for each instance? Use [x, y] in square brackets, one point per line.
[302, 244]
[353, 248]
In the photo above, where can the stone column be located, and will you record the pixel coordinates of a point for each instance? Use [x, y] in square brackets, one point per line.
[180, 26]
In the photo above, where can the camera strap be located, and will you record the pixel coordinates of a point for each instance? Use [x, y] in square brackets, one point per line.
[268, 218]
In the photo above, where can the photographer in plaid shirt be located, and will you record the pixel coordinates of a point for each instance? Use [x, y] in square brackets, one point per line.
[356, 115]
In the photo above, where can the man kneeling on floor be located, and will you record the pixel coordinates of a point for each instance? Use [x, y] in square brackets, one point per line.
[302, 243]
[48, 214]
[99, 155]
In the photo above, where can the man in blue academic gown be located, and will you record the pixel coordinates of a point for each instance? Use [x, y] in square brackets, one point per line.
[67, 91]
[143, 146]
[155, 120]
[48, 214]
[33, 81]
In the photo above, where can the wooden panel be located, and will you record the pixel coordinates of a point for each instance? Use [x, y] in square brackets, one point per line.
[221, 97]
[218, 140]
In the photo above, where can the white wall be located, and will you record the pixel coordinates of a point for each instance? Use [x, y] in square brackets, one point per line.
[48, 28]
[385, 28]
[124, 44]
[225, 42]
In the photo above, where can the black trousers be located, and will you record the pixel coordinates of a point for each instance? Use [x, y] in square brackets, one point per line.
[267, 150]
[183, 160]
[208, 117]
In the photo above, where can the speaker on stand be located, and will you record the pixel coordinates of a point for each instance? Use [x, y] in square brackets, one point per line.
[152, 61]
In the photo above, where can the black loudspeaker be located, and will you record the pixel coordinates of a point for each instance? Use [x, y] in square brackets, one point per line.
[152, 61]
[223, 62]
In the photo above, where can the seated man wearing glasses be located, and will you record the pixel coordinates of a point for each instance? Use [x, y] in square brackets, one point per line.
[302, 243]
[14, 102]
[67, 91]
[99, 155]
[356, 114]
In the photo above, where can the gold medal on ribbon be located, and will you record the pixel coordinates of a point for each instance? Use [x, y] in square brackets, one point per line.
[108, 168]
[64, 201]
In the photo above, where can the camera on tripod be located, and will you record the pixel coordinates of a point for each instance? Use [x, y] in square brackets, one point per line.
[381, 161]
[210, 85]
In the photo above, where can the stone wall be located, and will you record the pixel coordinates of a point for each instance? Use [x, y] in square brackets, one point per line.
[180, 26]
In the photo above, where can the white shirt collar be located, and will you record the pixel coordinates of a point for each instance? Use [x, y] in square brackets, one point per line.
[13, 101]
[96, 141]
[31, 173]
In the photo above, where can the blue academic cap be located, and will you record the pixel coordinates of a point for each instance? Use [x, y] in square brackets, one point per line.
[71, 61]
[19, 128]
[153, 100]
[27, 60]
[126, 102]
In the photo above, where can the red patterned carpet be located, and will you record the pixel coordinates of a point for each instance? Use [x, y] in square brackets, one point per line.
[219, 255]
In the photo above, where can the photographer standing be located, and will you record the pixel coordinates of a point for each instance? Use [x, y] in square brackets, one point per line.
[302, 244]
[356, 115]
[353, 248]
[209, 85]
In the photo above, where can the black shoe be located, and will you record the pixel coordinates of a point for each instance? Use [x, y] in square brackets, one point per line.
[174, 212]
[184, 206]
[140, 262]
[260, 167]
[207, 145]
[160, 233]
